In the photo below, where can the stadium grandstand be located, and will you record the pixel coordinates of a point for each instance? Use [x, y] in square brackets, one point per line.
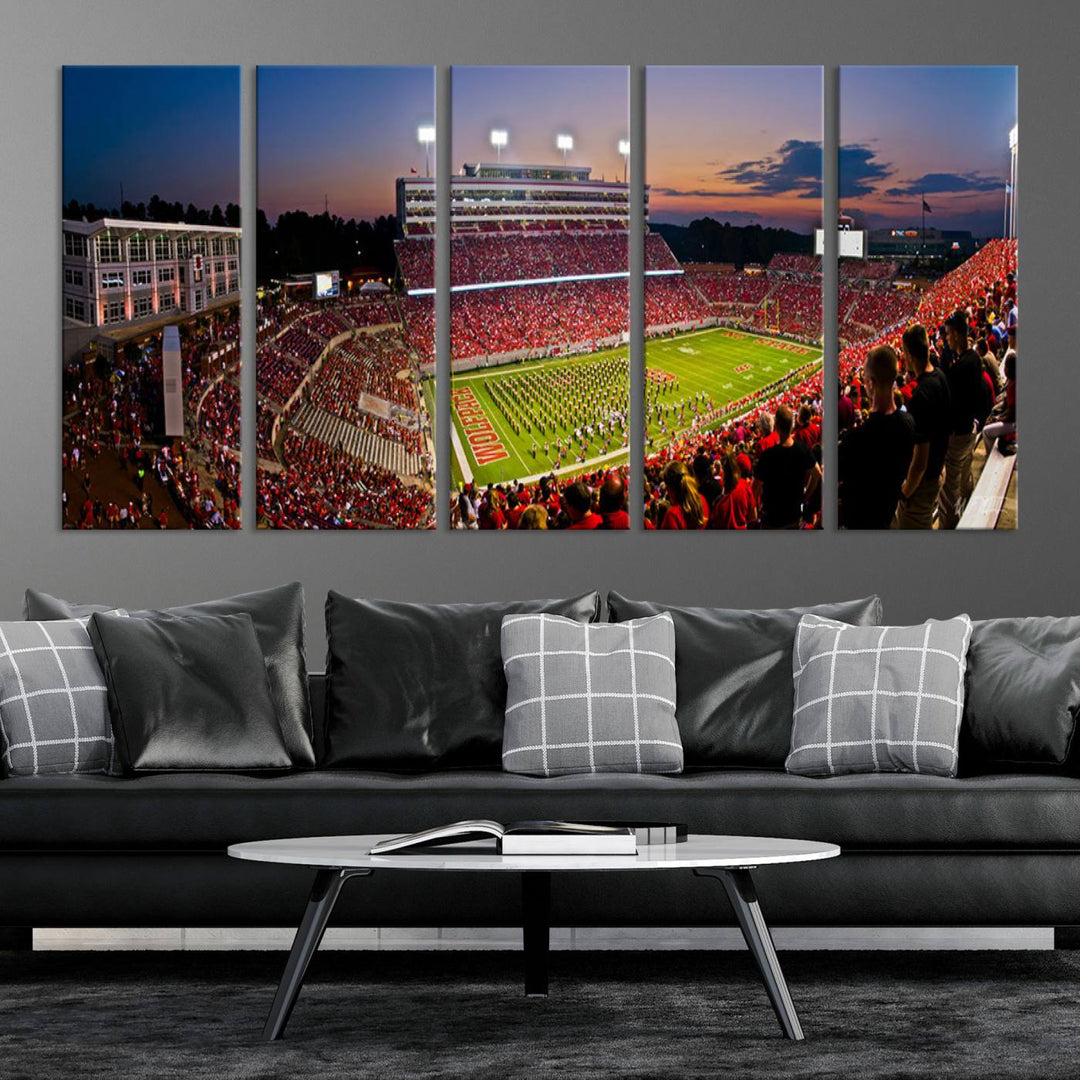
[984, 289]
[344, 431]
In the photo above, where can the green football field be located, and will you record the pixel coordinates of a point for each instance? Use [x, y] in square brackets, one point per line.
[723, 363]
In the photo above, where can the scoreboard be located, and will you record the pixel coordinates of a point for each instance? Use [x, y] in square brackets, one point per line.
[852, 243]
[326, 285]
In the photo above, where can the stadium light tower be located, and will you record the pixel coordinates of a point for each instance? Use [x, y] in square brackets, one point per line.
[498, 140]
[425, 133]
[565, 143]
[624, 149]
[1010, 187]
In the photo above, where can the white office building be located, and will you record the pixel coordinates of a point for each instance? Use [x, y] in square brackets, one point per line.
[121, 275]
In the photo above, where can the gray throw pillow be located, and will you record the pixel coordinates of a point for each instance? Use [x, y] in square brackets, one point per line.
[877, 698]
[589, 698]
[54, 713]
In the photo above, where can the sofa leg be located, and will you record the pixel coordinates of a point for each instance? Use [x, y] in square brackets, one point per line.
[16, 939]
[1067, 937]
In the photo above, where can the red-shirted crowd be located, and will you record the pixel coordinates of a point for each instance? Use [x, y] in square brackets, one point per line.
[114, 415]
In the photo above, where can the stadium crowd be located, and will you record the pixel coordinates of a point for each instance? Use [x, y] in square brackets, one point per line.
[370, 383]
[596, 499]
[324, 488]
[115, 416]
[915, 399]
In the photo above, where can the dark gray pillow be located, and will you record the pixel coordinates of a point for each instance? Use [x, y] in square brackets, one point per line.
[1023, 694]
[878, 698]
[413, 687]
[278, 616]
[733, 670]
[189, 694]
[54, 715]
[589, 698]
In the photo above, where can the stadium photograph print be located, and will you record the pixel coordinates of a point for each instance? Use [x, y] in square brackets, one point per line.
[150, 295]
[928, 298]
[733, 345]
[345, 267]
[539, 304]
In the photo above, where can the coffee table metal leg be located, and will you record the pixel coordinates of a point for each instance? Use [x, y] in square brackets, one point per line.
[324, 894]
[740, 890]
[536, 929]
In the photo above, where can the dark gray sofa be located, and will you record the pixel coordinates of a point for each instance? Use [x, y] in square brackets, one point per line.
[917, 850]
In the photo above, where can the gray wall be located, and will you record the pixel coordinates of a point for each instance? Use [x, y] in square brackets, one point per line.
[1031, 571]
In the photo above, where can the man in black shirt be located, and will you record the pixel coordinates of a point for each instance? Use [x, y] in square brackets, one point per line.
[967, 396]
[785, 477]
[876, 455]
[931, 410]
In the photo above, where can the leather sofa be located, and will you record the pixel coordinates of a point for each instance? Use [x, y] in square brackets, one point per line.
[1000, 849]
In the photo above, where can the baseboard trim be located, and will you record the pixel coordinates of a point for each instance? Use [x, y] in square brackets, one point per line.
[591, 938]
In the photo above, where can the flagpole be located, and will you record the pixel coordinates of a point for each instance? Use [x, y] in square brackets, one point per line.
[1005, 215]
[923, 197]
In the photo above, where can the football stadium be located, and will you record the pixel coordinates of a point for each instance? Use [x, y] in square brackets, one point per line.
[539, 331]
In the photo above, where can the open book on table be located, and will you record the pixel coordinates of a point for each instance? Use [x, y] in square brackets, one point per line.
[541, 837]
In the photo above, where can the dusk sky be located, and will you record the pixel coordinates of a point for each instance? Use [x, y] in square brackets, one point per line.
[738, 144]
[168, 131]
[343, 133]
[939, 130]
[533, 105]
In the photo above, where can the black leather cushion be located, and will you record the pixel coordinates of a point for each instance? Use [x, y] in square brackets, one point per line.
[733, 673]
[188, 694]
[278, 615]
[1023, 694]
[882, 811]
[421, 686]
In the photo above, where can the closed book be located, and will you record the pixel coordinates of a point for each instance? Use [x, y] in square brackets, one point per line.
[612, 841]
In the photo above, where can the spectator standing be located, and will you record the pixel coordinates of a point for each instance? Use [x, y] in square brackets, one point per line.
[786, 475]
[875, 457]
[931, 411]
[970, 407]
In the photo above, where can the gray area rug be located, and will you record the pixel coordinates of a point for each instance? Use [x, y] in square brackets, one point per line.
[866, 1015]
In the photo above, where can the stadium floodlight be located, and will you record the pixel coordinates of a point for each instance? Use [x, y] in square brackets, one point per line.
[1013, 137]
[564, 143]
[425, 133]
[498, 140]
[624, 149]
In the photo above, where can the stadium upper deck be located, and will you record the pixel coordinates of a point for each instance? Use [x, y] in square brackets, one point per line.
[497, 197]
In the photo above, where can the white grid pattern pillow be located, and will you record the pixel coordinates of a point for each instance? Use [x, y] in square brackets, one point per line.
[877, 698]
[589, 697]
[54, 712]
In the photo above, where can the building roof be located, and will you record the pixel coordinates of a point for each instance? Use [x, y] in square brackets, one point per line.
[123, 225]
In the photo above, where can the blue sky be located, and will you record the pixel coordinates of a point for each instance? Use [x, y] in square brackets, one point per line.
[340, 133]
[942, 131]
[169, 131]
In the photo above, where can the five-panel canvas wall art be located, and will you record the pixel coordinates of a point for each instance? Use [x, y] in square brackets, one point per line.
[733, 420]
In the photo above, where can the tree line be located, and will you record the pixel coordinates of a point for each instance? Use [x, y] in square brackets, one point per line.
[302, 243]
[157, 209]
[707, 240]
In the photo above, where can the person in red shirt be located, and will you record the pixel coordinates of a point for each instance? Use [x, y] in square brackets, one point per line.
[491, 513]
[769, 437]
[577, 501]
[612, 503]
[737, 507]
[520, 505]
[688, 510]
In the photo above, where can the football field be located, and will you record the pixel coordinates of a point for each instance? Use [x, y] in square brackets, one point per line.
[723, 364]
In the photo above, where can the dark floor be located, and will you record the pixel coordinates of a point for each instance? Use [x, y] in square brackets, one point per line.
[866, 1015]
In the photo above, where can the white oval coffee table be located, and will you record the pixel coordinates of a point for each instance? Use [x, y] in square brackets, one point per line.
[729, 859]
